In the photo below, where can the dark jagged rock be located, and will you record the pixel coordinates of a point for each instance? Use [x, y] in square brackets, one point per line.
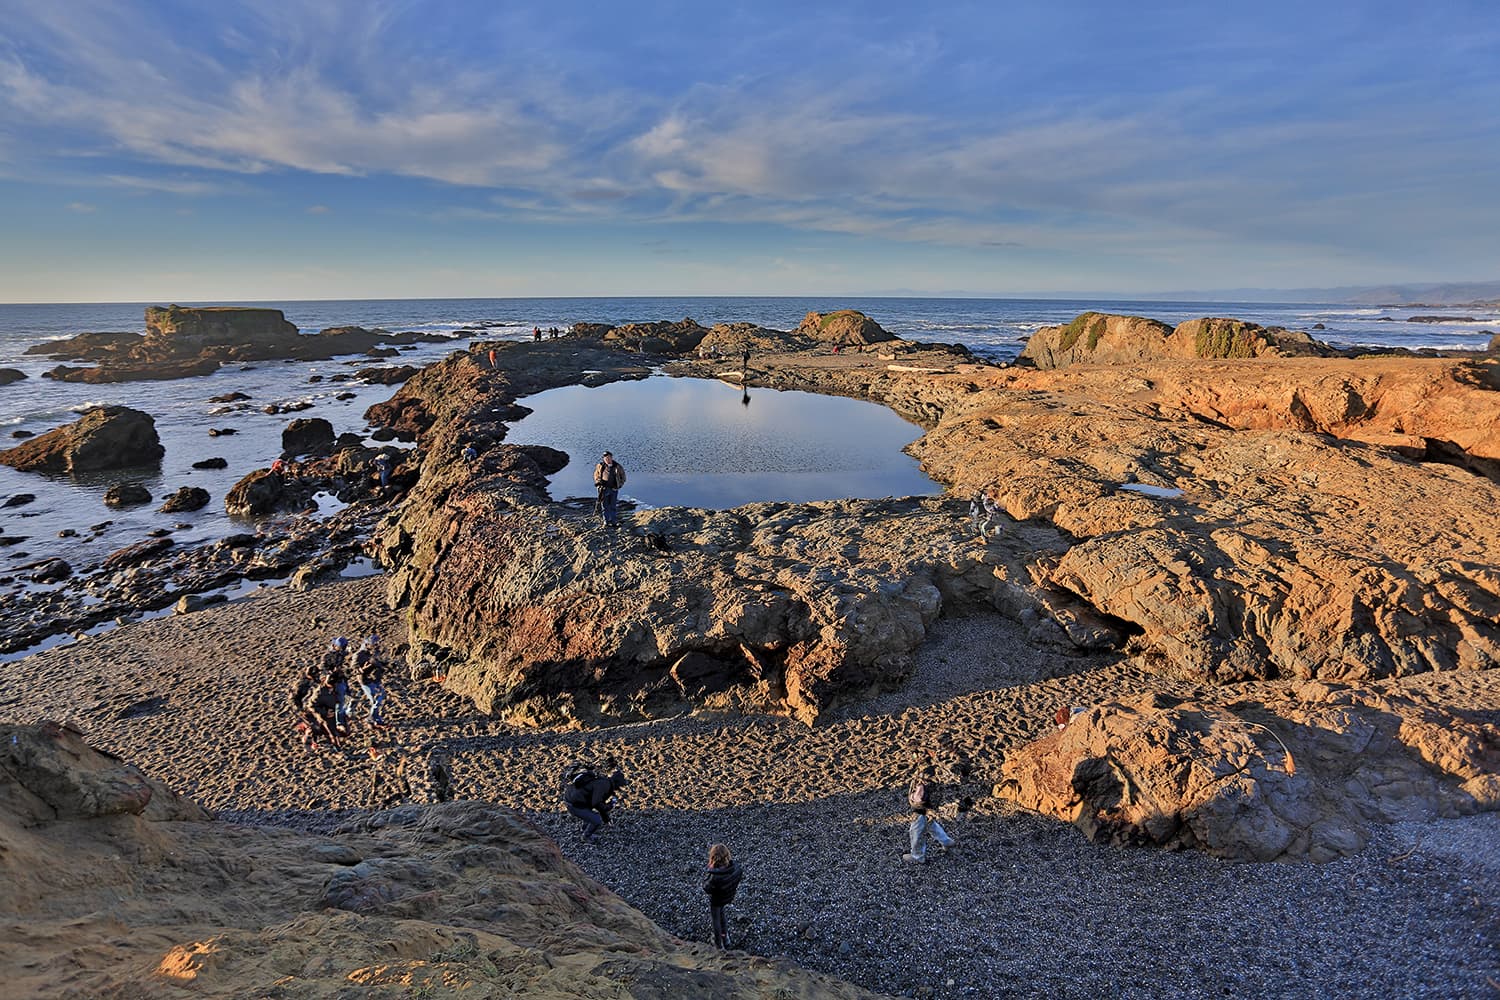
[126, 495]
[106, 437]
[22, 435]
[386, 376]
[212, 463]
[132, 555]
[185, 499]
[9, 375]
[307, 436]
[18, 500]
[51, 571]
[214, 432]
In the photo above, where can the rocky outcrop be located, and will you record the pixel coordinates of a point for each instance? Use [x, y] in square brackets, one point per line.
[307, 436]
[1494, 345]
[660, 337]
[1262, 565]
[1303, 776]
[180, 342]
[9, 375]
[264, 492]
[1297, 537]
[126, 495]
[844, 327]
[106, 437]
[125, 889]
[186, 499]
[1101, 338]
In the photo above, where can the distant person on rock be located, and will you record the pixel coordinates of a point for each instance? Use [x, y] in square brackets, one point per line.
[745, 365]
[609, 476]
[922, 797]
[492, 358]
[369, 670]
[724, 875]
[383, 469]
[470, 453]
[589, 796]
[536, 333]
[991, 516]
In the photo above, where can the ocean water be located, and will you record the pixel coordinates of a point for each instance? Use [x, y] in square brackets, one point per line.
[995, 328]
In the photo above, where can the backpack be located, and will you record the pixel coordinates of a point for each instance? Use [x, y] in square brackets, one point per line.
[917, 797]
[576, 779]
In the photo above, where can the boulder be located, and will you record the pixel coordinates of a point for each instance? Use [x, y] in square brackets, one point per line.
[188, 603]
[21, 435]
[51, 571]
[212, 463]
[134, 555]
[843, 327]
[386, 376]
[1233, 338]
[307, 436]
[126, 495]
[264, 492]
[1098, 337]
[106, 437]
[18, 500]
[186, 498]
[1301, 776]
[9, 375]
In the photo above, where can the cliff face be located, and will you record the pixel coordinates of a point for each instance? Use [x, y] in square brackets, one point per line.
[113, 886]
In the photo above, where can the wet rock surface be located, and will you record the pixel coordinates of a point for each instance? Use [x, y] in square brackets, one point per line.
[106, 437]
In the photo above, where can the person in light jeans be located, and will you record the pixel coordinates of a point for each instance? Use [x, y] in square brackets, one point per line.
[369, 668]
[922, 797]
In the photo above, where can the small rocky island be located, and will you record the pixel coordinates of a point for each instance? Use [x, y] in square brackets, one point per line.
[181, 342]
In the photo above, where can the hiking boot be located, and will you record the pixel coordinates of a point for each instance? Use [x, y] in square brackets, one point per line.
[945, 848]
[913, 859]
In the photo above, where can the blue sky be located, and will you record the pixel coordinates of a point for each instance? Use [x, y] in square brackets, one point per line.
[265, 150]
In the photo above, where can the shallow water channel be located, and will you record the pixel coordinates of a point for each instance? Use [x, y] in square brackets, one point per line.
[702, 443]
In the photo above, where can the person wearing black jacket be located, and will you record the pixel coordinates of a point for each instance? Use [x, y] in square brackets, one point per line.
[590, 798]
[724, 875]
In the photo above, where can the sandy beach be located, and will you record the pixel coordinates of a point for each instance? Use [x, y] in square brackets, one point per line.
[1024, 906]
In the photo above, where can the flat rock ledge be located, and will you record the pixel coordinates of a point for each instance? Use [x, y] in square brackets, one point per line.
[1285, 517]
[1303, 776]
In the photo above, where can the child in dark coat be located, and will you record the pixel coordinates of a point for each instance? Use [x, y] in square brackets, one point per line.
[724, 874]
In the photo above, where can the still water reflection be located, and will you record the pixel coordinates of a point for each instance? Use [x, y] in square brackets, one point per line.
[700, 443]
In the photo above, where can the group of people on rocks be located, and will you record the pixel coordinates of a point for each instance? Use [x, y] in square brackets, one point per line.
[321, 697]
[536, 333]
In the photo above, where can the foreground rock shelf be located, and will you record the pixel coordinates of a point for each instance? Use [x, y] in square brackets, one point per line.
[113, 885]
[1335, 520]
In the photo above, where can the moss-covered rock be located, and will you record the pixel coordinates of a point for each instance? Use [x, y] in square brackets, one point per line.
[844, 326]
[1102, 338]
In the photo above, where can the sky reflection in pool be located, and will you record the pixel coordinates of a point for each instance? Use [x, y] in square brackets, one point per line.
[697, 443]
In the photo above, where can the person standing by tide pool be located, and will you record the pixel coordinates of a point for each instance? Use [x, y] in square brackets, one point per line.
[609, 476]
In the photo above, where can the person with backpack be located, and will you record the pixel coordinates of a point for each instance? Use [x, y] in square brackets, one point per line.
[383, 467]
[922, 797]
[589, 794]
[324, 706]
[609, 476]
[724, 875]
[369, 671]
[335, 666]
[307, 723]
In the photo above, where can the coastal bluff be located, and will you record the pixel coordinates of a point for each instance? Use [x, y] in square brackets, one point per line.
[1219, 519]
[114, 885]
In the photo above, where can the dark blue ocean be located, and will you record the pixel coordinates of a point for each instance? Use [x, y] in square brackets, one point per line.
[996, 328]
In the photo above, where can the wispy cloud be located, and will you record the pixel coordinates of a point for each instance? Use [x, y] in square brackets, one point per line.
[318, 210]
[82, 208]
